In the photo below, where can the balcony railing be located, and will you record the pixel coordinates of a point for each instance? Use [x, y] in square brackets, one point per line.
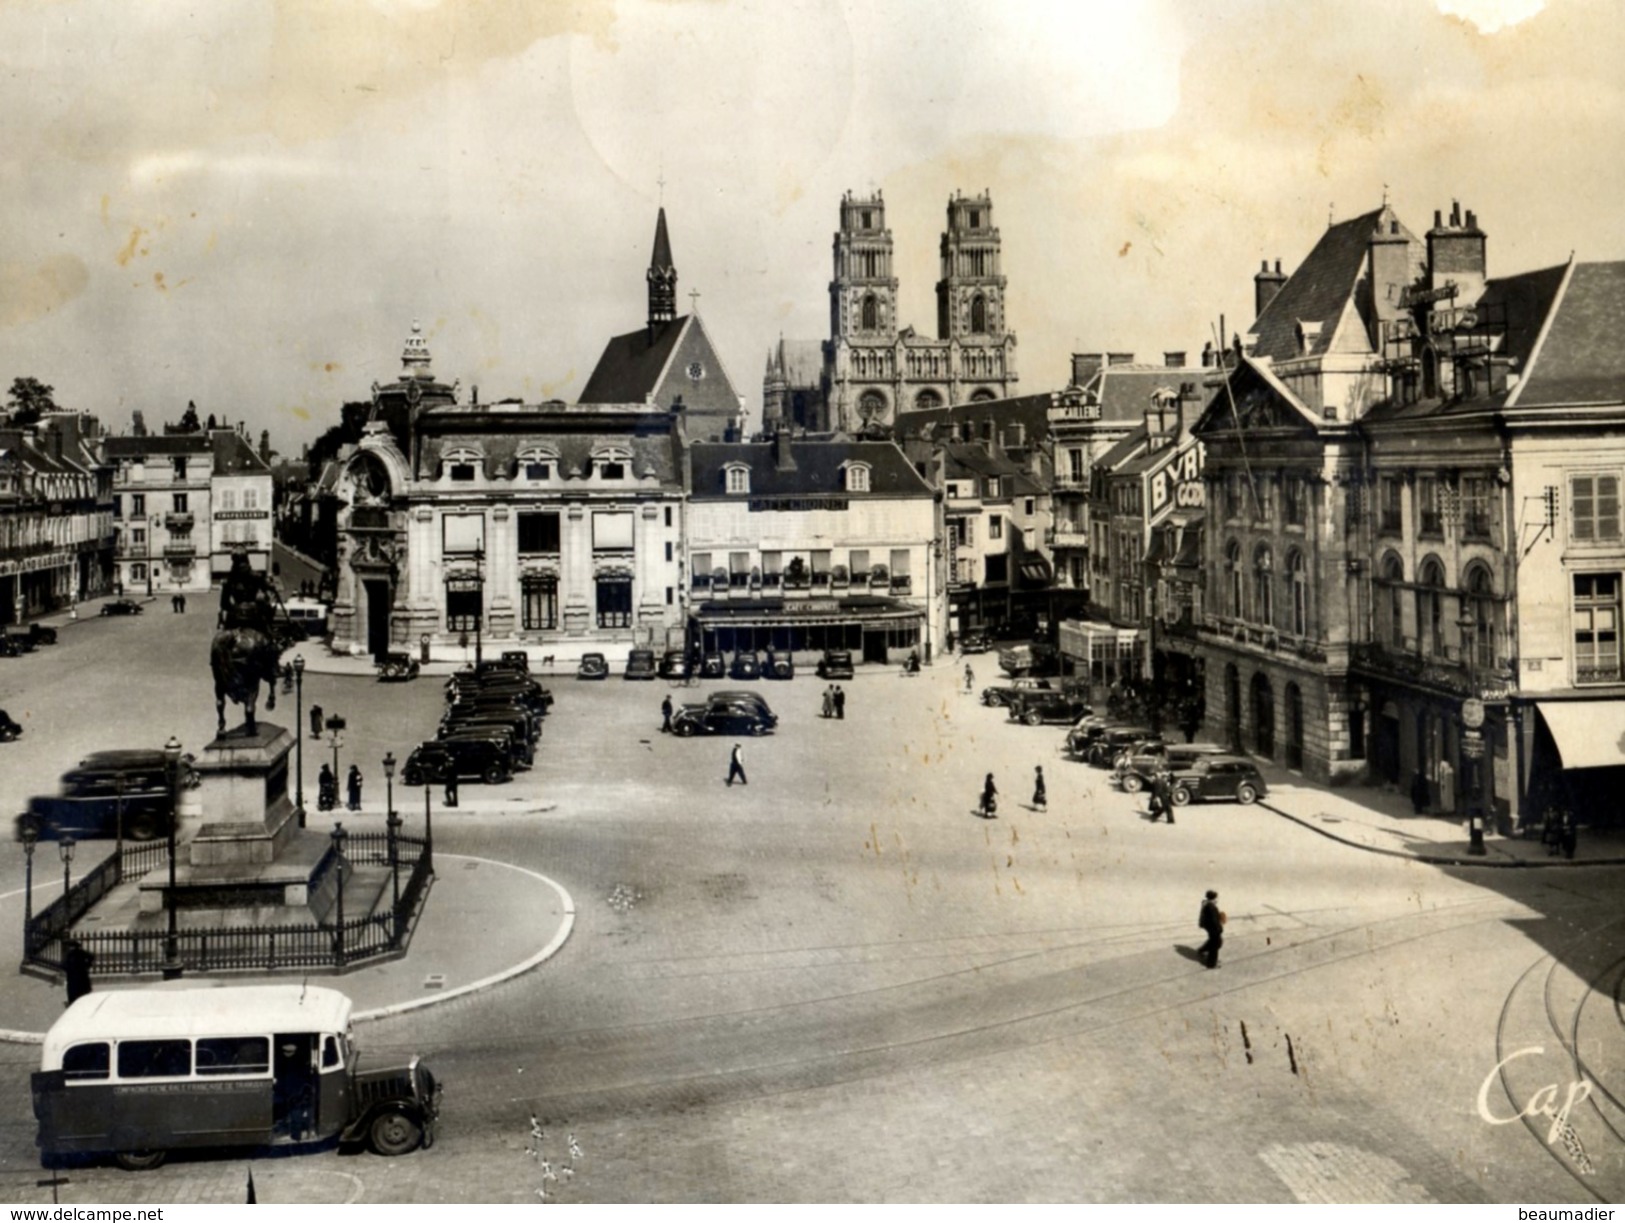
[180, 522]
[1608, 674]
[180, 547]
[1063, 537]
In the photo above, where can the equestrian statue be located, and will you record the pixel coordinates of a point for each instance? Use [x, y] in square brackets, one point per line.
[246, 649]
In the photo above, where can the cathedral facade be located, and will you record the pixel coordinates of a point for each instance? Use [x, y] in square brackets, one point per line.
[872, 369]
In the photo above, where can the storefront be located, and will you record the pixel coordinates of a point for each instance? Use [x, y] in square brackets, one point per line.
[874, 628]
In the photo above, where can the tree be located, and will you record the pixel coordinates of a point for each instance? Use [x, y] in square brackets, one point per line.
[212, 425]
[189, 421]
[30, 399]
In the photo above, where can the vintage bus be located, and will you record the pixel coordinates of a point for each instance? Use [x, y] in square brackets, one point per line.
[137, 1073]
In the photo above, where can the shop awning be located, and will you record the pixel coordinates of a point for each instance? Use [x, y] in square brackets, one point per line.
[1589, 734]
[1035, 571]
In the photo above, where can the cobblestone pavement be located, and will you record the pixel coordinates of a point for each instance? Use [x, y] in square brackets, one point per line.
[838, 984]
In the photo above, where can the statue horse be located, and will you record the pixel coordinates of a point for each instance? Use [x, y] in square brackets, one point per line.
[240, 659]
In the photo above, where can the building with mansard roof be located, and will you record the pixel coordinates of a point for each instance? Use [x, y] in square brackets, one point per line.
[56, 528]
[1414, 552]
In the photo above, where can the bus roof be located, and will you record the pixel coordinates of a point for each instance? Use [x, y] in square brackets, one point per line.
[207, 1010]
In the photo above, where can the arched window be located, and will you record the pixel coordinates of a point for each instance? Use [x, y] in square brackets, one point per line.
[1263, 586]
[1430, 608]
[871, 312]
[1232, 566]
[982, 395]
[872, 407]
[1297, 577]
[1481, 616]
[927, 399]
[978, 314]
[1392, 608]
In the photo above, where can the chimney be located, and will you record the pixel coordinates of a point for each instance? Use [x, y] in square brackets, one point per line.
[1174, 360]
[1207, 355]
[1457, 255]
[1119, 358]
[783, 460]
[1390, 262]
[1085, 365]
[1190, 403]
[1266, 284]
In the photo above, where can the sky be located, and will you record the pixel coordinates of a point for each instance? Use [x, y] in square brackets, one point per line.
[246, 205]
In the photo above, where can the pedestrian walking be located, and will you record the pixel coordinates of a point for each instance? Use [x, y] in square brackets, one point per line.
[76, 963]
[183, 605]
[989, 808]
[665, 714]
[327, 790]
[829, 701]
[1211, 920]
[1154, 802]
[315, 721]
[1570, 835]
[174, 603]
[1162, 786]
[970, 678]
[1419, 793]
[840, 703]
[451, 788]
[736, 766]
[353, 785]
[1040, 797]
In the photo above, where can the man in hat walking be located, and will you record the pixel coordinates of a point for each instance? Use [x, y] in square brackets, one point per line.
[736, 766]
[1211, 920]
[665, 713]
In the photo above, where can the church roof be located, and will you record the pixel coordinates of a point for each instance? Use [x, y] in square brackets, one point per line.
[661, 258]
[801, 362]
[632, 365]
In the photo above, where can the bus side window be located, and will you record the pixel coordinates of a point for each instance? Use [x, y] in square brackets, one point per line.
[92, 1061]
[154, 1059]
[330, 1053]
[239, 1055]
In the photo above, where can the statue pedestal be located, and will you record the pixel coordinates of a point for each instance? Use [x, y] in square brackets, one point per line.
[249, 853]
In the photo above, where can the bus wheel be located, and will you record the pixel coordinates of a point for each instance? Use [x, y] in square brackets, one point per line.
[139, 1161]
[142, 827]
[394, 1133]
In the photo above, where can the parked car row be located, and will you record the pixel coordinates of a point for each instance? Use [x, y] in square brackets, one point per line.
[490, 729]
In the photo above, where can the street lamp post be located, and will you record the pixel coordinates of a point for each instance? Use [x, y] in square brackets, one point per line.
[30, 835]
[65, 848]
[298, 731]
[339, 837]
[118, 819]
[392, 824]
[172, 944]
[1472, 747]
[479, 617]
[428, 830]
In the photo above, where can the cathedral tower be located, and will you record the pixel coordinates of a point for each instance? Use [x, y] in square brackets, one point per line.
[662, 277]
[863, 295]
[970, 295]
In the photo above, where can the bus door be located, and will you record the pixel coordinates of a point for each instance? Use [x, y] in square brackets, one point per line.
[333, 1105]
[293, 1097]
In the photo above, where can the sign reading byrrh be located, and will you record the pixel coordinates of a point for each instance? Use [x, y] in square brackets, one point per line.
[1176, 483]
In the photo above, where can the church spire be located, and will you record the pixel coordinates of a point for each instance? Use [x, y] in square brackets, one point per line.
[662, 278]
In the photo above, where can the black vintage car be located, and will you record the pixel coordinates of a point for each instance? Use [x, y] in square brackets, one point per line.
[593, 666]
[20, 643]
[640, 664]
[745, 666]
[106, 793]
[1036, 707]
[437, 759]
[975, 642]
[779, 666]
[9, 730]
[724, 714]
[521, 754]
[675, 664]
[713, 665]
[41, 634]
[835, 664]
[121, 607]
[10, 647]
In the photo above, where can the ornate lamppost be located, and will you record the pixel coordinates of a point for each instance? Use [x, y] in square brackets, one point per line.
[30, 836]
[65, 848]
[1472, 743]
[392, 823]
[479, 617]
[172, 944]
[428, 830]
[298, 731]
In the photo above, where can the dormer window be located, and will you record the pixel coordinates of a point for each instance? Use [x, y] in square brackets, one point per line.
[610, 462]
[736, 478]
[857, 477]
[536, 463]
[612, 470]
[461, 464]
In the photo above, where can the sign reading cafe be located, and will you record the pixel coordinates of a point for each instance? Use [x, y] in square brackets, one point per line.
[1177, 483]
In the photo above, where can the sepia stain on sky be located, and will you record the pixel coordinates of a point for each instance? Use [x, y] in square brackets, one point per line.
[317, 173]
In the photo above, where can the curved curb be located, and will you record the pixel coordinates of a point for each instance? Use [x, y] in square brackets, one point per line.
[524, 966]
[1440, 859]
[546, 952]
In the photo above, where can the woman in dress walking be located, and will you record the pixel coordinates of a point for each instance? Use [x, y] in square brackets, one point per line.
[1040, 797]
[990, 800]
